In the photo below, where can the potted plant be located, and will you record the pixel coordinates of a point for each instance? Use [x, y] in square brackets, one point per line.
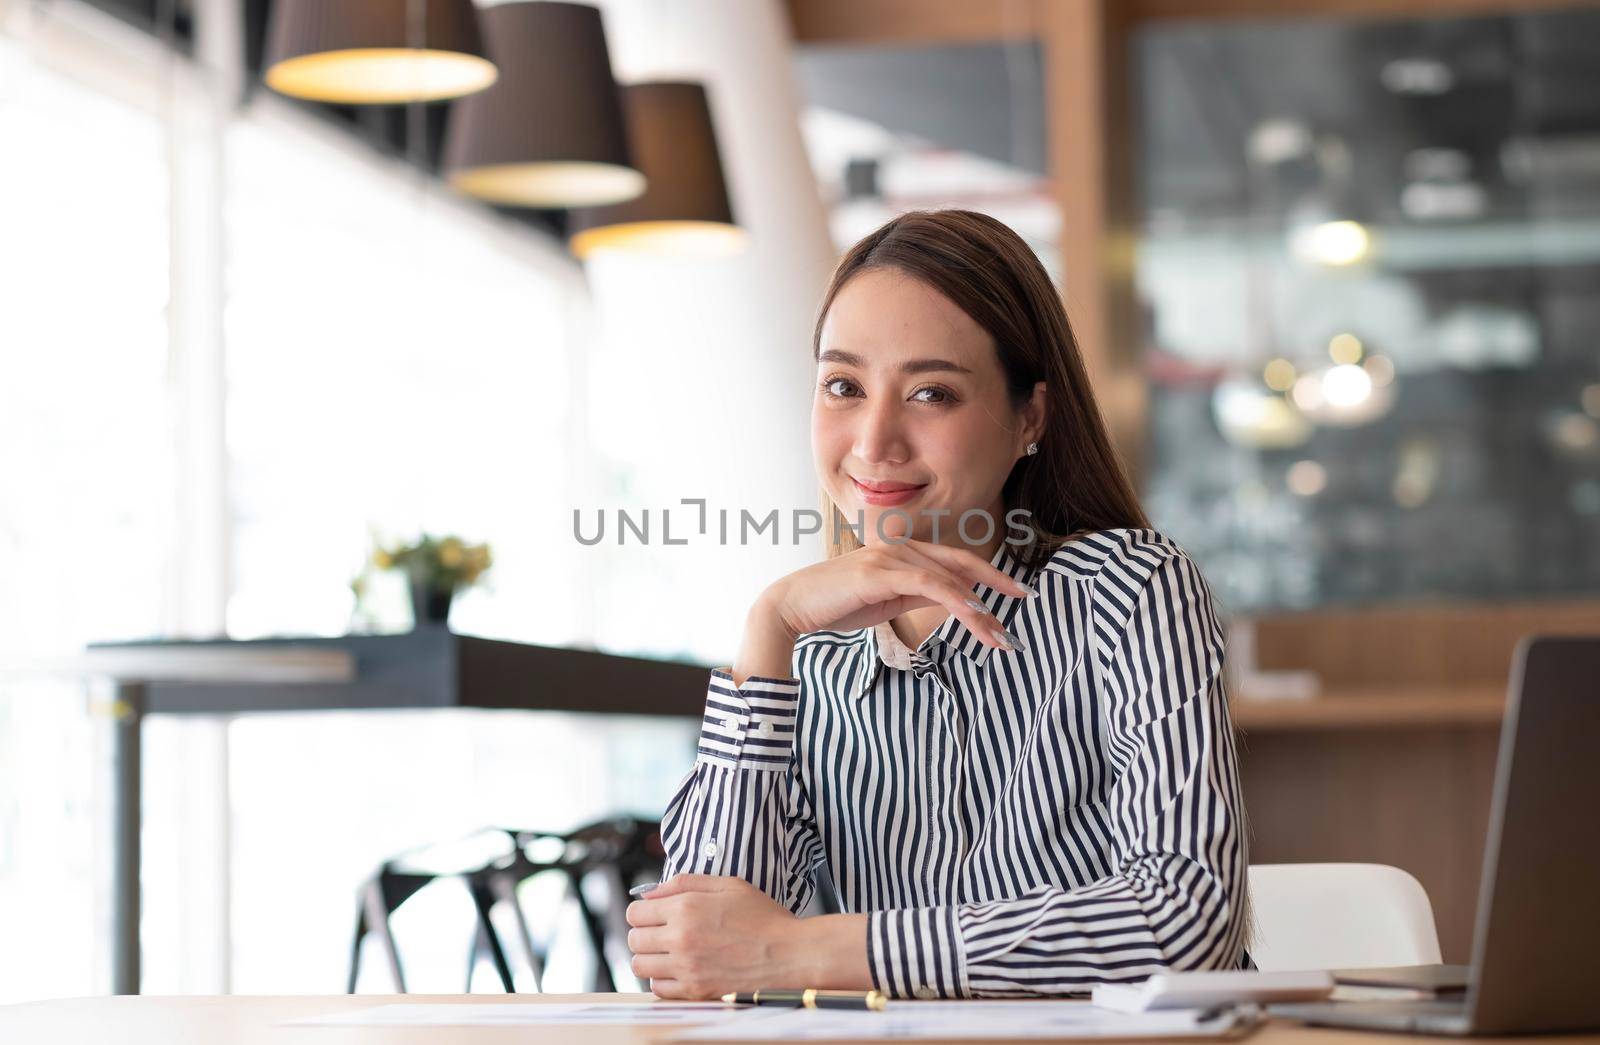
[436, 568]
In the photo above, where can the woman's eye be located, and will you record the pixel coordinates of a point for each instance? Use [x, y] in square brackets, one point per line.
[839, 387]
[933, 394]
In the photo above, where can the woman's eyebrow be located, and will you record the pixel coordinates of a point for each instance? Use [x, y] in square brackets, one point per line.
[910, 366]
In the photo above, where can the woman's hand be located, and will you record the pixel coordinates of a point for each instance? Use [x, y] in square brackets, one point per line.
[879, 582]
[700, 936]
[865, 587]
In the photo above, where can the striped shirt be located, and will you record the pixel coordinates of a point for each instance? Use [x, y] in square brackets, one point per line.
[1014, 824]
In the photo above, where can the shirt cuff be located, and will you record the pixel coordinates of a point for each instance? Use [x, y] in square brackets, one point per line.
[749, 726]
[917, 953]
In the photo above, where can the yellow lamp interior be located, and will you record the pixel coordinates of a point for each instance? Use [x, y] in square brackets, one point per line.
[381, 75]
[563, 184]
[1335, 242]
[700, 239]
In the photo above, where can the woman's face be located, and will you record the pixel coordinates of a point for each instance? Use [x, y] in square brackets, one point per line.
[911, 412]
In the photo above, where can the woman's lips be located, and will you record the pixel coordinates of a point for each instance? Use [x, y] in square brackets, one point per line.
[886, 495]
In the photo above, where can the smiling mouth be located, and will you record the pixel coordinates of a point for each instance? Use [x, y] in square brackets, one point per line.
[886, 494]
[873, 487]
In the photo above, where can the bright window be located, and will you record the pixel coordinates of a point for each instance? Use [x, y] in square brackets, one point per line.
[85, 480]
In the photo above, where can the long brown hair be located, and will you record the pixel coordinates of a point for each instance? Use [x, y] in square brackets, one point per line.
[1076, 483]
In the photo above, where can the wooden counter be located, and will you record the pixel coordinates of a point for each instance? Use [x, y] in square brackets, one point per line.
[1374, 709]
[258, 1021]
[1394, 761]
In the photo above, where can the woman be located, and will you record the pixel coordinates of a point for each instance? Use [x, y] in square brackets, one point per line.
[1009, 745]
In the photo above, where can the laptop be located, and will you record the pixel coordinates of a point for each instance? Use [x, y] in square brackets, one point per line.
[1436, 979]
[1536, 949]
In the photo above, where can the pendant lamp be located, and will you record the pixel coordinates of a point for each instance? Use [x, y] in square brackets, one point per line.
[550, 132]
[376, 52]
[685, 209]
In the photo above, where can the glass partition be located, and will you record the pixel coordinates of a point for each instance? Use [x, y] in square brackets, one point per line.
[1369, 255]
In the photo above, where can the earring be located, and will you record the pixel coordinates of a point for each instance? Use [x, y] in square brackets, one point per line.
[1033, 448]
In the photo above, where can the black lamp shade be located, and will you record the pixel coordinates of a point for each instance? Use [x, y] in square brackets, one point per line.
[550, 132]
[685, 210]
[368, 52]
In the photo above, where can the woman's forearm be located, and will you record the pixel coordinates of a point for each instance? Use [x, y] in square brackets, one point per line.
[832, 953]
[826, 951]
[767, 648]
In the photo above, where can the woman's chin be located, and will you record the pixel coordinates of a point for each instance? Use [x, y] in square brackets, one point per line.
[894, 524]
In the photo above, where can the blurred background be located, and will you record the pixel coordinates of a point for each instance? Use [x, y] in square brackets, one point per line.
[274, 353]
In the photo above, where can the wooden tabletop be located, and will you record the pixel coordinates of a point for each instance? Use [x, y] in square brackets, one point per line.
[1374, 708]
[250, 1020]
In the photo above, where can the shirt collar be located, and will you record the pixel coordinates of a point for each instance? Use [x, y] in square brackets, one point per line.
[952, 637]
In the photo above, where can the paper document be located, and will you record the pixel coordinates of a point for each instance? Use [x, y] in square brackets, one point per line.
[512, 1014]
[1208, 990]
[933, 1020]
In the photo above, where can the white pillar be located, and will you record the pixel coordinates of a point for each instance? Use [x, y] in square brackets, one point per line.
[704, 376]
[202, 95]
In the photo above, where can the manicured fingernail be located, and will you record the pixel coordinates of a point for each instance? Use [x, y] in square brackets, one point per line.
[1010, 640]
[1028, 590]
[975, 604]
[640, 890]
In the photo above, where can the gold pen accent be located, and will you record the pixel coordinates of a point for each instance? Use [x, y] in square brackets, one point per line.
[811, 998]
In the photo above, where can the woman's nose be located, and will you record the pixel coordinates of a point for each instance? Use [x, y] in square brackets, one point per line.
[881, 434]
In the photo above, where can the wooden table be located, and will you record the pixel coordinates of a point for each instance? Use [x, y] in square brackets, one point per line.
[246, 1020]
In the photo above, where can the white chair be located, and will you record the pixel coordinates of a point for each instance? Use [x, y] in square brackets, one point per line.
[1339, 916]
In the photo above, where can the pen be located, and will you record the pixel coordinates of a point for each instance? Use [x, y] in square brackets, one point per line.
[811, 999]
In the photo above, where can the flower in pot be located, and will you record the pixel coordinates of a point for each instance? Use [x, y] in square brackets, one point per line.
[437, 568]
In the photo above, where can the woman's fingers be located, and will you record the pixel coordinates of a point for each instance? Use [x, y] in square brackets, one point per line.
[651, 966]
[954, 590]
[667, 988]
[916, 554]
[687, 882]
[874, 613]
[881, 581]
[648, 941]
[642, 913]
[987, 627]
[970, 565]
[932, 582]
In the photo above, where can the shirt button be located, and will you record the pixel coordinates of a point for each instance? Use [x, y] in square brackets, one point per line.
[765, 729]
[925, 992]
[709, 849]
